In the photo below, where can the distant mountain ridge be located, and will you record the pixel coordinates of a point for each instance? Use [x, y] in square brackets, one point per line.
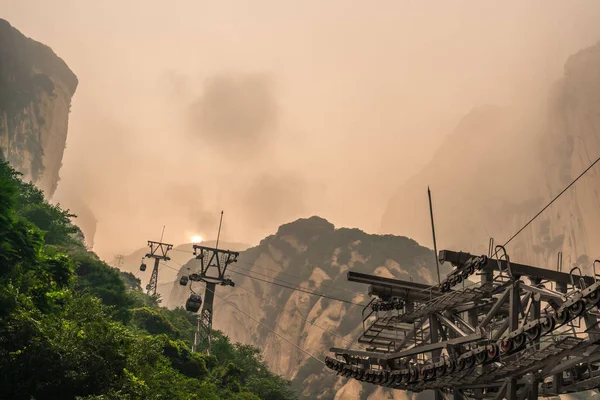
[315, 255]
[501, 166]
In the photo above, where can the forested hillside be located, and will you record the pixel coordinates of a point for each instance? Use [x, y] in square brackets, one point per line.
[72, 327]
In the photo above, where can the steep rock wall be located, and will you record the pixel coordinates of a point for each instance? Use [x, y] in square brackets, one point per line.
[500, 166]
[314, 255]
[36, 88]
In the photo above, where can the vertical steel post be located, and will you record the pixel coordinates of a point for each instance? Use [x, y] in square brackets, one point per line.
[514, 304]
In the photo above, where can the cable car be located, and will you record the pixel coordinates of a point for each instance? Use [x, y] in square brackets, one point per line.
[142, 267]
[193, 303]
[184, 280]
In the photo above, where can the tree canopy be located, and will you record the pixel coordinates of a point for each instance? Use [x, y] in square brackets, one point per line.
[72, 327]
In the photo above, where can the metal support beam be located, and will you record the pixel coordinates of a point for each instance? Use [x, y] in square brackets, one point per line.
[410, 336]
[434, 328]
[557, 379]
[375, 280]
[450, 325]
[495, 309]
[513, 307]
[473, 319]
[544, 293]
[534, 392]
[459, 258]
[513, 324]
[202, 337]
[501, 392]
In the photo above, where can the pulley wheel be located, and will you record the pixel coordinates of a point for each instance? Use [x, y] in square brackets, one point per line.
[441, 370]
[450, 366]
[359, 374]
[492, 351]
[577, 309]
[519, 341]
[594, 297]
[547, 325]
[506, 346]
[480, 358]
[414, 375]
[561, 316]
[469, 362]
[428, 374]
[534, 332]
[404, 378]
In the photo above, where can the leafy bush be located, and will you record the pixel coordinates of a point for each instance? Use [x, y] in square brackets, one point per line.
[70, 327]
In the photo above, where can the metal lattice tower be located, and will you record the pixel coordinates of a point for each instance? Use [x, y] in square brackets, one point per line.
[213, 266]
[158, 251]
[119, 259]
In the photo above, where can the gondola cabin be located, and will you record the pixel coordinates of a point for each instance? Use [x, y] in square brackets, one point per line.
[142, 267]
[193, 303]
[184, 280]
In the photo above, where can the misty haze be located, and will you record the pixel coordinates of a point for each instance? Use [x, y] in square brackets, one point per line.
[317, 128]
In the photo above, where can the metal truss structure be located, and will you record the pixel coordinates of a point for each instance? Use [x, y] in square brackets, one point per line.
[491, 329]
[158, 251]
[213, 266]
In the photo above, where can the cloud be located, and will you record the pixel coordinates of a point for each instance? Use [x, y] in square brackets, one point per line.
[274, 199]
[236, 112]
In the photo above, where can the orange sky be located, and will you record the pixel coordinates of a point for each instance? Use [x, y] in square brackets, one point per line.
[274, 110]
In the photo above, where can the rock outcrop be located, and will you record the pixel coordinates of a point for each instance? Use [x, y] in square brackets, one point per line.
[36, 87]
[312, 254]
[500, 167]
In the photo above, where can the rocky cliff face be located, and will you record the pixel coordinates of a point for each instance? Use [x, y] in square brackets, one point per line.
[500, 166]
[313, 254]
[36, 87]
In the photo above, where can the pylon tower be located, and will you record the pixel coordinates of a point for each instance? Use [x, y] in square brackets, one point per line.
[158, 251]
[213, 266]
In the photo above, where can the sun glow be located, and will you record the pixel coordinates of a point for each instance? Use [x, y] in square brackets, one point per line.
[196, 239]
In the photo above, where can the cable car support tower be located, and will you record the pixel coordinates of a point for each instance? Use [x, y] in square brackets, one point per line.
[213, 267]
[158, 251]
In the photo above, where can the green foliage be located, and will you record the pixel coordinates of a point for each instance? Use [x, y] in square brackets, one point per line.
[103, 281]
[50, 219]
[153, 322]
[72, 327]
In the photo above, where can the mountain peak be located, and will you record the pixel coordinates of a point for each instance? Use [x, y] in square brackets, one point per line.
[306, 228]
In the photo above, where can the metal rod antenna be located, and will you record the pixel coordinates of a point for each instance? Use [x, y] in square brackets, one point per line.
[437, 263]
[219, 233]
[163, 233]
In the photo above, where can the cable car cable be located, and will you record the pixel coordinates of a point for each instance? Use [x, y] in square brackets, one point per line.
[290, 284]
[297, 277]
[550, 203]
[294, 314]
[299, 289]
[279, 272]
[287, 284]
[266, 327]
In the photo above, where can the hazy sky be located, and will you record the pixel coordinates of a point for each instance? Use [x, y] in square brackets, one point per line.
[274, 110]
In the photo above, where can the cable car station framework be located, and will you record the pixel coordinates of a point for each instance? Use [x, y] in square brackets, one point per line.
[519, 333]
